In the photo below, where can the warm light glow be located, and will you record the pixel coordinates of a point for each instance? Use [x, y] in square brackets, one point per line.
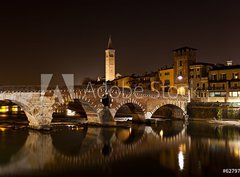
[2, 129]
[161, 133]
[180, 77]
[182, 149]
[70, 112]
[15, 108]
[123, 134]
[4, 109]
[181, 91]
[181, 160]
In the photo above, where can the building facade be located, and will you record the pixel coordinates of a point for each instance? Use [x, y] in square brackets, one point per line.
[166, 76]
[224, 84]
[198, 84]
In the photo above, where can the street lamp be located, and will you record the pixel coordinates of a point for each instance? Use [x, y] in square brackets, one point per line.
[180, 77]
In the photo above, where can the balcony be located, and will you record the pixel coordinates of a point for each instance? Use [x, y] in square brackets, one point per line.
[234, 88]
[216, 88]
[218, 80]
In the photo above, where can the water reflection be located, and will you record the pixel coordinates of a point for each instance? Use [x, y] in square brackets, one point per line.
[170, 148]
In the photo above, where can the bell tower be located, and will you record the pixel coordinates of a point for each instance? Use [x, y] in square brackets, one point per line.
[109, 61]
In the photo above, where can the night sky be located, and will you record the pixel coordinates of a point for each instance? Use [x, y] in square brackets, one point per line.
[42, 37]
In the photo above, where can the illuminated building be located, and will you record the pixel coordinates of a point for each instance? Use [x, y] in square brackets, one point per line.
[199, 81]
[224, 84]
[109, 61]
[166, 77]
[183, 58]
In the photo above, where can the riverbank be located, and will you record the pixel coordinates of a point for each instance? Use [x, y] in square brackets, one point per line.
[216, 110]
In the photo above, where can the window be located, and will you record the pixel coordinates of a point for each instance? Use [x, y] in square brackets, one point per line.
[180, 63]
[166, 82]
[203, 86]
[234, 94]
[180, 73]
[211, 94]
[213, 86]
[217, 94]
[197, 84]
[224, 77]
[223, 94]
[235, 85]
[235, 76]
[198, 76]
[223, 86]
[167, 73]
[214, 77]
[198, 69]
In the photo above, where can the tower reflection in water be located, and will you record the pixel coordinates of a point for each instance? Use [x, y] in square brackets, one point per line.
[168, 147]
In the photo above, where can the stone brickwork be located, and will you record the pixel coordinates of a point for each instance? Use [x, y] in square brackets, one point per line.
[39, 107]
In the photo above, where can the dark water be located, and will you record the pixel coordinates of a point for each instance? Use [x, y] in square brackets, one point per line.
[169, 148]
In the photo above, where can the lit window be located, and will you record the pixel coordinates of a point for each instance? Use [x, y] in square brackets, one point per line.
[235, 76]
[234, 94]
[211, 94]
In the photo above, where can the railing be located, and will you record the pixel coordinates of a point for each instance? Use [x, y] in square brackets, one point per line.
[145, 93]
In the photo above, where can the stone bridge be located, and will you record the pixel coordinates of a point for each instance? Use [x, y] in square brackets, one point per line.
[39, 106]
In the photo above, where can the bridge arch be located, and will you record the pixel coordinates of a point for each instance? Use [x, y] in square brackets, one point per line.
[130, 109]
[167, 111]
[85, 105]
[25, 106]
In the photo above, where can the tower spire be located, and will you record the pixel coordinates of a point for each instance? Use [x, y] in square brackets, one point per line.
[110, 43]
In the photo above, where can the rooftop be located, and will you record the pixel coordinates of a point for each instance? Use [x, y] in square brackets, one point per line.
[202, 63]
[184, 48]
[221, 67]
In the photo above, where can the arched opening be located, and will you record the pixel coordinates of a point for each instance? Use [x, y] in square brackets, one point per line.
[168, 111]
[12, 112]
[130, 111]
[69, 111]
[130, 135]
[75, 110]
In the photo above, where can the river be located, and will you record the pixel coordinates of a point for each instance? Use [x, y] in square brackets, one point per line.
[166, 148]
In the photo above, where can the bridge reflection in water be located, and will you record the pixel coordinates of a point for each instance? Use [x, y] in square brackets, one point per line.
[168, 147]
